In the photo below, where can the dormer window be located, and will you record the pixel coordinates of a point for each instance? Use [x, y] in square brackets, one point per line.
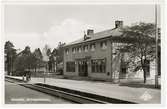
[85, 48]
[92, 47]
[103, 45]
[67, 51]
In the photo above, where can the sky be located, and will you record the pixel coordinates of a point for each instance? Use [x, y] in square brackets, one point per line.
[38, 25]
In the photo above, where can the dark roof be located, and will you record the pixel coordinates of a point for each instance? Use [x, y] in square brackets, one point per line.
[103, 34]
[116, 35]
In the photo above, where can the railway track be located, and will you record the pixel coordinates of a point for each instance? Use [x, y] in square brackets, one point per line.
[71, 95]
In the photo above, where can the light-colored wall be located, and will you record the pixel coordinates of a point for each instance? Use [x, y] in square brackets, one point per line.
[139, 74]
[111, 72]
[99, 53]
[117, 61]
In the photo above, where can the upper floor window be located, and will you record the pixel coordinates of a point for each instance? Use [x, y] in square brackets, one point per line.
[79, 49]
[92, 47]
[67, 51]
[74, 50]
[103, 44]
[85, 48]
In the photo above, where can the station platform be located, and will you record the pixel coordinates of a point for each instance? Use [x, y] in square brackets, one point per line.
[141, 95]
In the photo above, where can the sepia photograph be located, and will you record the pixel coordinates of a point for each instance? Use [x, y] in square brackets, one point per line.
[82, 53]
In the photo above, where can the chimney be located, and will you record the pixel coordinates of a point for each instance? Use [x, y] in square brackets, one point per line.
[90, 32]
[118, 24]
[85, 36]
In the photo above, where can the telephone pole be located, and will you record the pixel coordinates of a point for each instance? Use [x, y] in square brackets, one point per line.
[156, 38]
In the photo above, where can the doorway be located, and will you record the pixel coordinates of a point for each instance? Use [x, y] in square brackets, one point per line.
[83, 68]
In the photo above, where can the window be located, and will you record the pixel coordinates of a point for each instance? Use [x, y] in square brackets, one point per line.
[85, 48]
[73, 50]
[79, 49]
[70, 66]
[79, 66]
[67, 51]
[82, 66]
[116, 46]
[103, 45]
[98, 66]
[92, 47]
[124, 66]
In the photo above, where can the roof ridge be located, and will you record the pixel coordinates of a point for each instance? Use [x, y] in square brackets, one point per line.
[102, 31]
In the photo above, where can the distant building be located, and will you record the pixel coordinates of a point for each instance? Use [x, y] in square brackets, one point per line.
[96, 56]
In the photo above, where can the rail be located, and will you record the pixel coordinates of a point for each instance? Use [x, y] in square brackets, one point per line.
[72, 95]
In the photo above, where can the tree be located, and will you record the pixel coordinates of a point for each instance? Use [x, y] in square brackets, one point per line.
[60, 52]
[52, 60]
[10, 55]
[38, 58]
[25, 60]
[19, 64]
[46, 54]
[142, 49]
[59, 57]
[29, 59]
[55, 57]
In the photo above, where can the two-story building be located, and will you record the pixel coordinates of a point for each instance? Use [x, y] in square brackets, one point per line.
[96, 55]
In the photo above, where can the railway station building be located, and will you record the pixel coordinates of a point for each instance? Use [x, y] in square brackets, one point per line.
[95, 55]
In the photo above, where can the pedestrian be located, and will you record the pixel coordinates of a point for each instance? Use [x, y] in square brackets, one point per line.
[23, 77]
[26, 75]
[29, 73]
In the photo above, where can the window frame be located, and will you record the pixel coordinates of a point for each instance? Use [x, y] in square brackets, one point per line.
[74, 50]
[98, 65]
[102, 45]
[67, 51]
[92, 46]
[85, 48]
[79, 50]
[70, 66]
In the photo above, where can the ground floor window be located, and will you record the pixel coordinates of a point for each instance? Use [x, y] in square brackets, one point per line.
[70, 66]
[98, 65]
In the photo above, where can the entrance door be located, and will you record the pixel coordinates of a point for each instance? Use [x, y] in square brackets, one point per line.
[83, 68]
[123, 70]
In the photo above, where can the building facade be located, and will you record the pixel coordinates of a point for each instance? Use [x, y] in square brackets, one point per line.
[96, 55]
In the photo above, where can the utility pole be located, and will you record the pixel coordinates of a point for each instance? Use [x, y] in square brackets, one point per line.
[156, 38]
